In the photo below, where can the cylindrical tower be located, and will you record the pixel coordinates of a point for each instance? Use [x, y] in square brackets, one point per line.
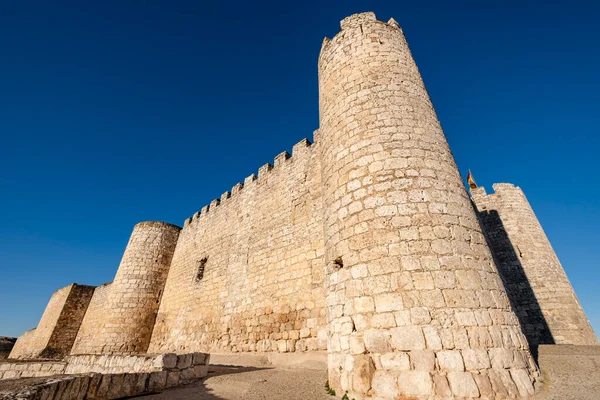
[416, 307]
[537, 284]
[134, 296]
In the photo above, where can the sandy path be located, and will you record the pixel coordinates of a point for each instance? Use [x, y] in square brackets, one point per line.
[252, 383]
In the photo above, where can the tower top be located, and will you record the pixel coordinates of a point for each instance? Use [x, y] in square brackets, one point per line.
[357, 19]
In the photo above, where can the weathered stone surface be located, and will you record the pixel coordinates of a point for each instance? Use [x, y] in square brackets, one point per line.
[58, 327]
[450, 360]
[407, 338]
[475, 359]
[377, 341]
[129, 309]
[422, 360]
[362, 377]
[168, 360]
[442, 388]
[395, 361]
[415, 383]
[463, 384]
[385, 385]
[157, 381]
[184, 361]
[548, 312]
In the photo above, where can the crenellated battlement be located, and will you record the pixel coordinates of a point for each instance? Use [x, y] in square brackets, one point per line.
[302, 149]
[356, 22]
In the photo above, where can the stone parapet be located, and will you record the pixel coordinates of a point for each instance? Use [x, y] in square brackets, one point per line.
[108, 364]
[105, 386]
[31, 369]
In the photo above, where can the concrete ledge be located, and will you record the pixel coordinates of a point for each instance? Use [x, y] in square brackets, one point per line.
[305, 360]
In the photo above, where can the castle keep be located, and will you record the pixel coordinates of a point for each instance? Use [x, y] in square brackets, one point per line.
[363, 244]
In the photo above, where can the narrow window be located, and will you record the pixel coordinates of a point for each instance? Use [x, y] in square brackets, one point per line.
[201, 265]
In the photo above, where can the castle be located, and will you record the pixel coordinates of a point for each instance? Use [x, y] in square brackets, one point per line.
[364, 244]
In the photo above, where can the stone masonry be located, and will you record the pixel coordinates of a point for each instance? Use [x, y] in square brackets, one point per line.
[130, 309]
[364, 244]
[536, 283]
[415, 303]
[58, 327]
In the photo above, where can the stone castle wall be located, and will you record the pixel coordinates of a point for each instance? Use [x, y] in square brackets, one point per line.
[58, 327]
[133, 297]
[536, 282]
[39, 338]
[364, 244]
[247, 273]
[416, 306]
[24, 346]
[69, 322]
[92, 322]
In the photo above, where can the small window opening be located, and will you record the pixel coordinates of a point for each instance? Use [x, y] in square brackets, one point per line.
[339, 262]
[201, 265]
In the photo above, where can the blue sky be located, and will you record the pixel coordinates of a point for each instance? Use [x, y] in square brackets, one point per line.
[116, 112]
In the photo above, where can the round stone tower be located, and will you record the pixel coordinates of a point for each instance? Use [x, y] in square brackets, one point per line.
[134, 296]
[416, 307]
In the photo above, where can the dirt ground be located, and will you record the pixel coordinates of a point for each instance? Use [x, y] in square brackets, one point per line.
[251, 383]
[569, 373]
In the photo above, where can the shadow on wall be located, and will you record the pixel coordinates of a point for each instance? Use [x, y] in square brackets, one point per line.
[519, 291]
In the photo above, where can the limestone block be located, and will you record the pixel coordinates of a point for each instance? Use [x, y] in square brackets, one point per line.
[94, 386]
[184, 361]
[200, 371]
[363, 371]
[102, 389]
[167, 360]
[407, 338]
[377, 341]
[384, 385]
[199, 359]
[395, 361]
[187, 375]
[388, 302]
[141, 382]
[157, 381]
[450, 360]
[475, 359]
[522, 381]
[432, 338]
[484, 385]
[422, 360]
[117, 385]
[463, 384]
[442, 388]
[415, 383]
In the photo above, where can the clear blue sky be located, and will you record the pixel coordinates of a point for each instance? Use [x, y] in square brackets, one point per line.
[115, 112]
